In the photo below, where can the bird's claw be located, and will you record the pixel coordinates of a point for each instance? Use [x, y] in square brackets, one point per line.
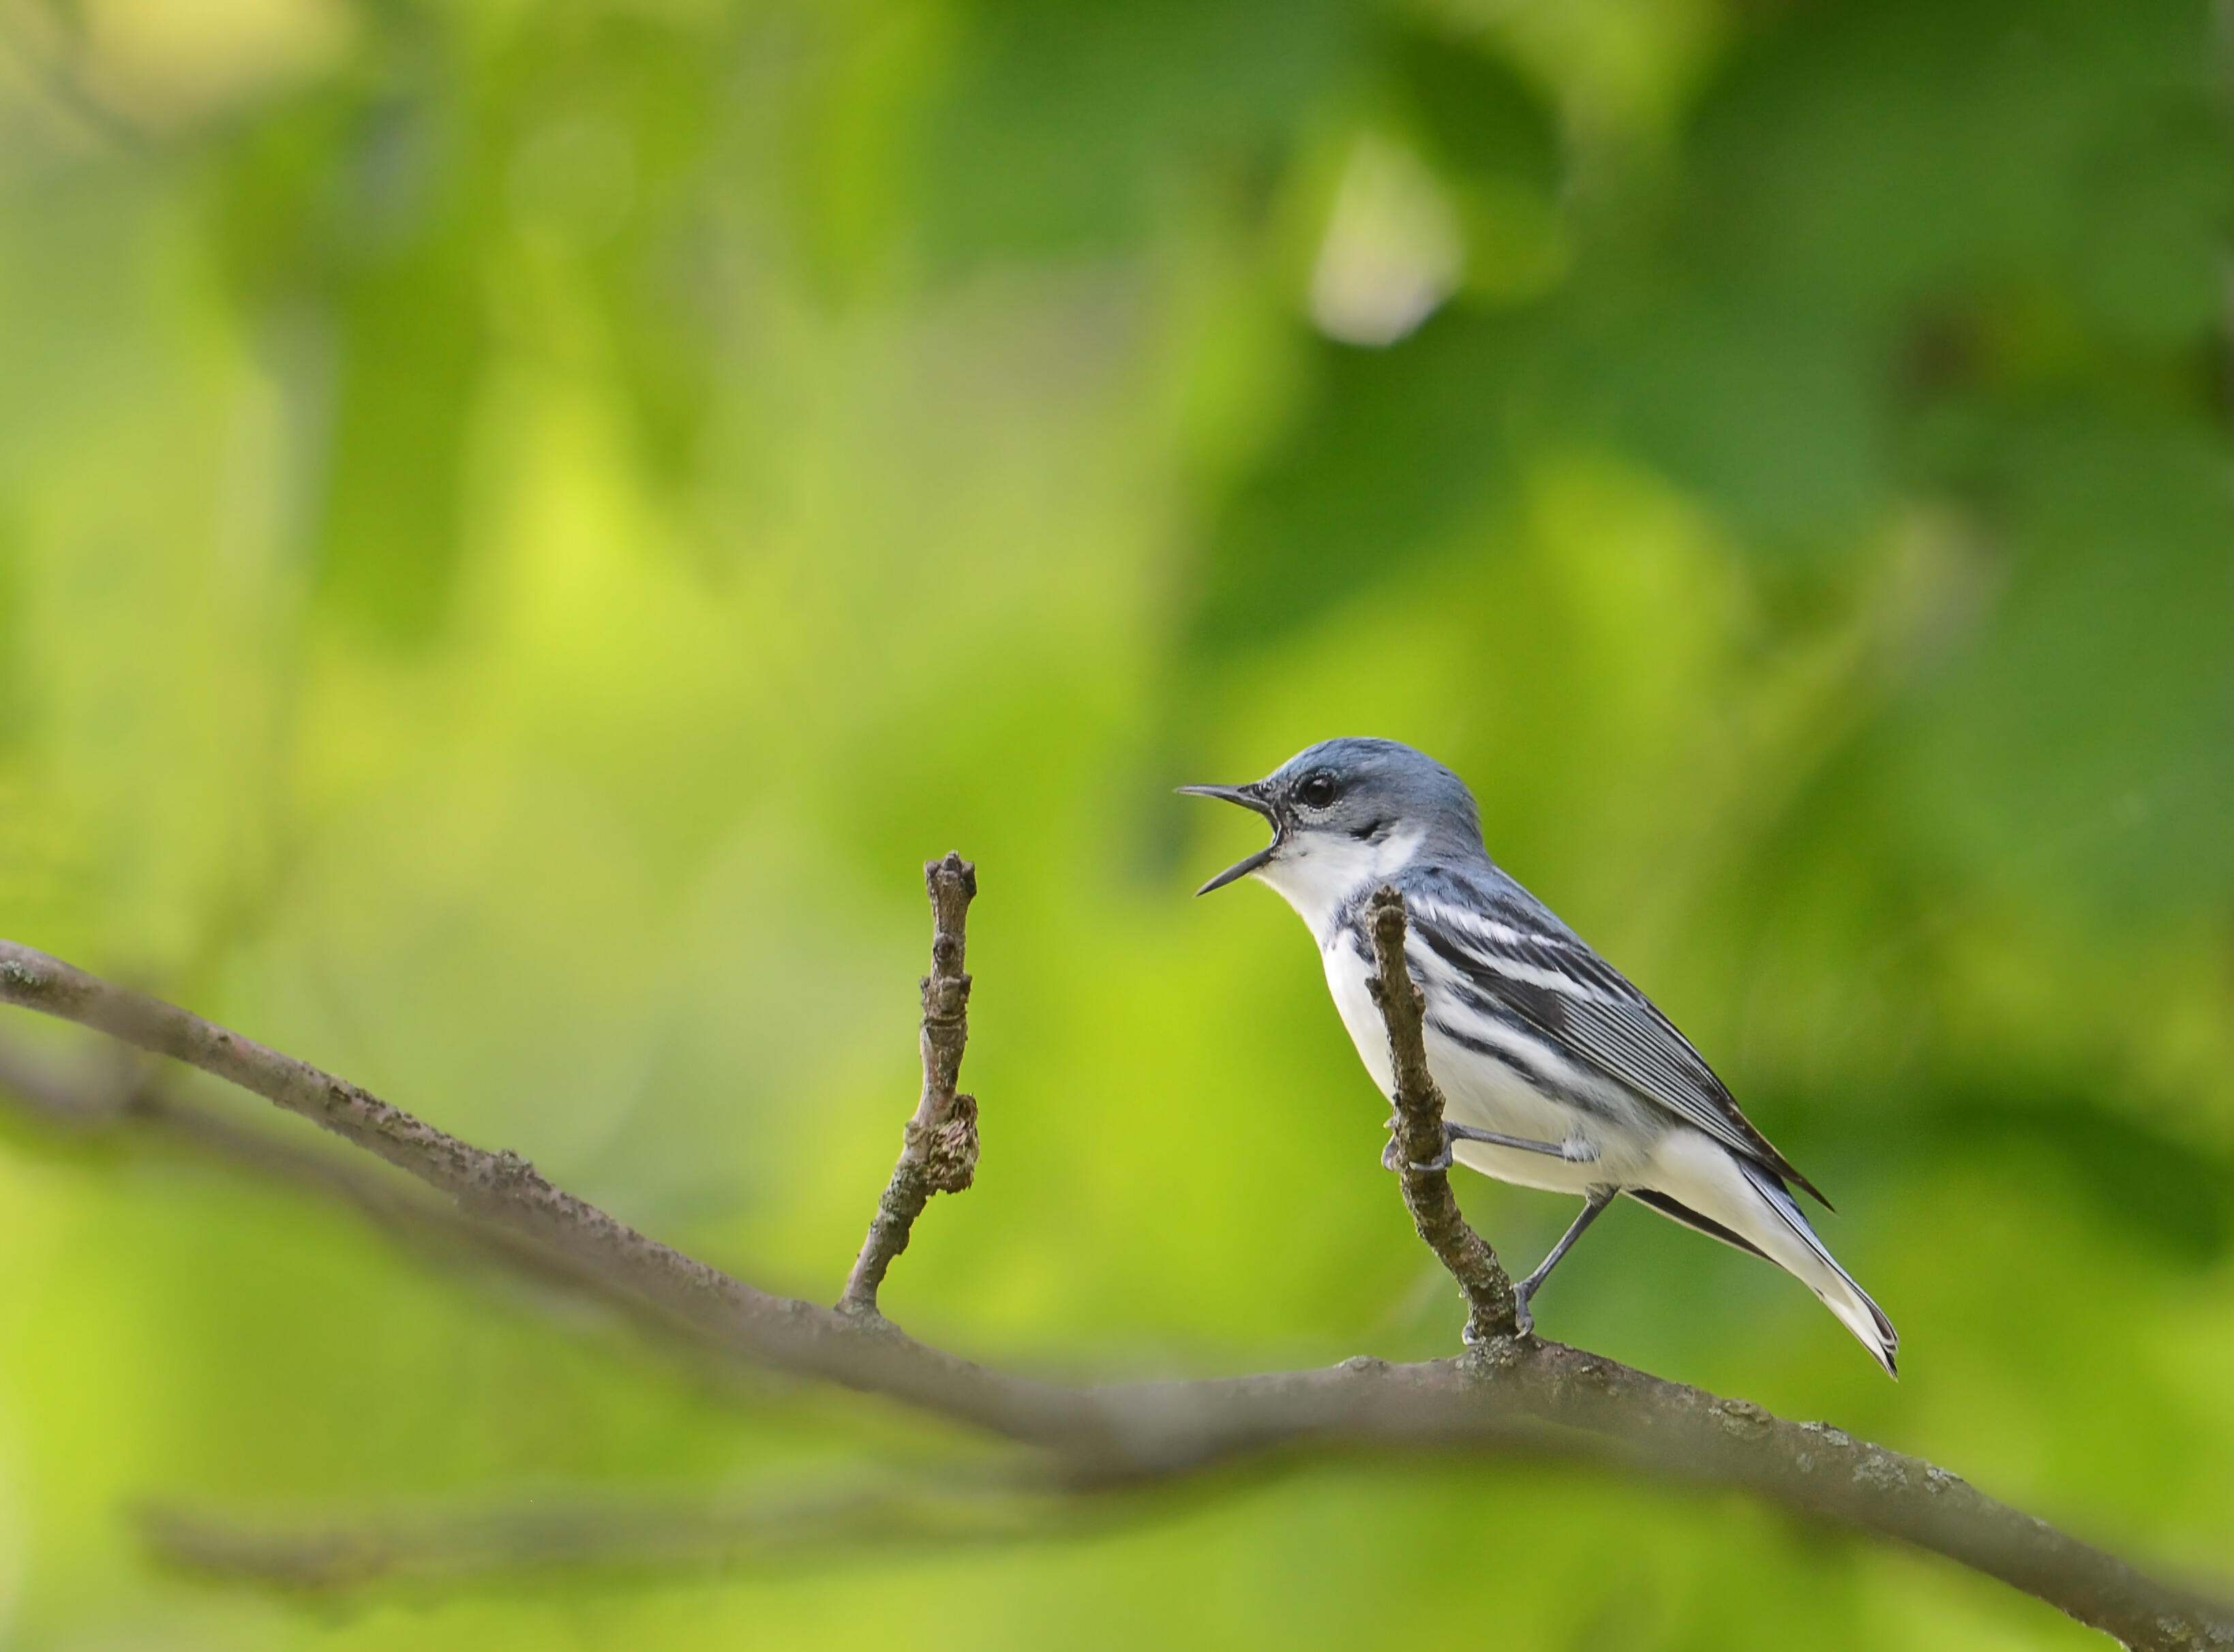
[1391, 1155]
[1524, 1324]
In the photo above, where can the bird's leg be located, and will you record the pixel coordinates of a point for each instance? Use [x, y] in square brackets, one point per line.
[1523, 1289]
[1573, 1152]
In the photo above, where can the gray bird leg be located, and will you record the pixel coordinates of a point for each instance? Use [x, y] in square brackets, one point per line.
[1580, 1154]
[1523, 1289]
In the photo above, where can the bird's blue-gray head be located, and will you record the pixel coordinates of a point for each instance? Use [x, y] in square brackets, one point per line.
[1348, 812]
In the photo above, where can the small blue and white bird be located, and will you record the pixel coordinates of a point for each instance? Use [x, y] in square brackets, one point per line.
[1556, 1071]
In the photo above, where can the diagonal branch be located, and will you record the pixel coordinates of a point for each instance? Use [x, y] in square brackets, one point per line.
[1503, 1391]
[939, 1152]
[1490, 1309]
[134, 1112]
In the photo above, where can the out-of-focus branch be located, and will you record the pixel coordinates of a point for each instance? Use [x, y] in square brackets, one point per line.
[939, 1152]
[440, 1549]
[1504, 1393]
[1490, 1308]
[56, 65]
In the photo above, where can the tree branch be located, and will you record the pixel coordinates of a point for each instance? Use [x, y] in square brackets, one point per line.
[939, 1152]
[527, 1537]
[1491, 1306]
[1504, 1392]
[133, 1111]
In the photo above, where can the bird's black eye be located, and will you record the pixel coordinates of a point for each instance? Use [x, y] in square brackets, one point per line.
[1316, 789]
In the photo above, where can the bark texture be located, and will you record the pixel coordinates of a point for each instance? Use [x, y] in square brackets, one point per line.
[938, 1150]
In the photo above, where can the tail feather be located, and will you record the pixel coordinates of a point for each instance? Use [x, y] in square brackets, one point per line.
[1846, 1300]
[1698, 1181]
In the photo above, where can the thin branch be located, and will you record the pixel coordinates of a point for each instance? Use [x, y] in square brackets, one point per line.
[525, 1538]
[56, 68]
[1491, 1308]
[939, 1152]
[133, 1111]
[442, 1548]
[1501, 1390]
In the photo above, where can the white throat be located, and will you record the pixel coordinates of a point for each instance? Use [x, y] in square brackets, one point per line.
[1317, 873]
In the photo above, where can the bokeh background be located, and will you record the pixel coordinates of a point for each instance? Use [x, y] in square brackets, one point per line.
[522, 525]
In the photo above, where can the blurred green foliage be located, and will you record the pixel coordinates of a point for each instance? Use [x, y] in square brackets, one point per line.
[521, 525]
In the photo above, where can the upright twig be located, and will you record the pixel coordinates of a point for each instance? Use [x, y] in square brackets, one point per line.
[938, 1151]
[1490, 1308]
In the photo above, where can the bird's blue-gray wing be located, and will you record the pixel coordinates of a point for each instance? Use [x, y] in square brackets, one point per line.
[1526, 964]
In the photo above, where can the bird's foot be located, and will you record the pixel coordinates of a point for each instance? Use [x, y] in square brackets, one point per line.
[1391, 1154]
[1523, 1326]
[1392, 1157]
[1523, 1322]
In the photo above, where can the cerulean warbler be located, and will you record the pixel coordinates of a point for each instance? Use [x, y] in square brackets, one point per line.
[1555, 1071]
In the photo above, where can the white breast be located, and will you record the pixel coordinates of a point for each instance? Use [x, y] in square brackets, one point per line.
[1347, 974]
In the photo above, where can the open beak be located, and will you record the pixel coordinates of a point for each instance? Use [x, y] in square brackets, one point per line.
[1248, 797]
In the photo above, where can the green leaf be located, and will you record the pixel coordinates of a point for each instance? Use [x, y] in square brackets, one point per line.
[1481, 119]
[1392, 449]
[2093, 712]
[1073, 123]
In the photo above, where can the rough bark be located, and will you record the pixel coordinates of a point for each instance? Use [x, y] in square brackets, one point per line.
[938, 1151]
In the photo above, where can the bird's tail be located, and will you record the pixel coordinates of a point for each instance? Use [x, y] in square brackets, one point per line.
[1790, 1242]
[1697, 1181]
